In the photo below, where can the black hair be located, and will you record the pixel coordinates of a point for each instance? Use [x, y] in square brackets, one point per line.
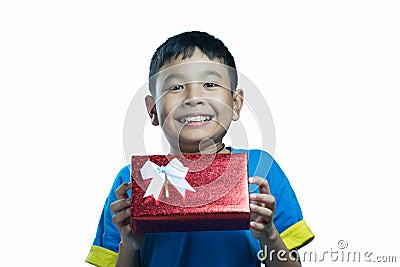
[184, 44]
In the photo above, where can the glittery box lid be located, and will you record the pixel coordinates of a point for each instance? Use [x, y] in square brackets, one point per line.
[219, 199]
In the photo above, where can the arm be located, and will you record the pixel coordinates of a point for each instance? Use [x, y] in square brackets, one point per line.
[127, 256]
[262, 207]
[129, 246]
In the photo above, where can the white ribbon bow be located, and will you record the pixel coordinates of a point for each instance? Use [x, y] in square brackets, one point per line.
[174, 172]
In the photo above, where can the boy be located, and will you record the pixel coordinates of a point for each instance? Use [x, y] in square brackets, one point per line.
[194, 99]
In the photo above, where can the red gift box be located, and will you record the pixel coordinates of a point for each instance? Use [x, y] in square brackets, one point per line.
[178, 193]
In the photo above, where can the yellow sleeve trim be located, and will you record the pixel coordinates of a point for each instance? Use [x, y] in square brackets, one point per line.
[101, 257]
[297, 235]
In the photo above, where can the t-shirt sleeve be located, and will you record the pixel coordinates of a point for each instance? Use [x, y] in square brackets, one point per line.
[288, 220]
[104, 250]
[288, 217]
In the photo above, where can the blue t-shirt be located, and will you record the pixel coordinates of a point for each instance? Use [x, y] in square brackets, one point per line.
[208, 248]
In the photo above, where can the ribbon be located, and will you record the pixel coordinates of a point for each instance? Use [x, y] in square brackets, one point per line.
[173, 173]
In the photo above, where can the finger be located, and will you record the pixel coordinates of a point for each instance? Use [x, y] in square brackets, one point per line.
[119, 205]
[262, 184]
[124, 230]
[265, 213]
[257, 226]
[257, 202]
[122, 190]
[122, 218]
[265, 200]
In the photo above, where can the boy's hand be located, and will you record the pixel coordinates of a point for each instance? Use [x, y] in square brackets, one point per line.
[262, 207]
[122, 218]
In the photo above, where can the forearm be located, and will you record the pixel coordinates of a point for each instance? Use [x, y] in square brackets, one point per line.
[276, 252]
[127, 257]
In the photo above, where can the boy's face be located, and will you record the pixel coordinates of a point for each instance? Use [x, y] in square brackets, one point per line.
[193, 103]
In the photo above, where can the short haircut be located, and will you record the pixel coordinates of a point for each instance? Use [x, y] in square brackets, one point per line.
[184, 44]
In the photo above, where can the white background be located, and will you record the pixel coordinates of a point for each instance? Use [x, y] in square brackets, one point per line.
[329, 71]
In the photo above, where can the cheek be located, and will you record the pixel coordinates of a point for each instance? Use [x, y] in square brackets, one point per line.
[224, 115]
[166, 110]
[223, 106]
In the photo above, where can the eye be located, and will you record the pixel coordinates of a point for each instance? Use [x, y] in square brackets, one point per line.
[176, 87]
[210, 85]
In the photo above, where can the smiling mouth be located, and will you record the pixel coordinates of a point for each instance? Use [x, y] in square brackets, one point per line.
[195, 119]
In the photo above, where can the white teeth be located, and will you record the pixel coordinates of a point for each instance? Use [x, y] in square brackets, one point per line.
[196, 119]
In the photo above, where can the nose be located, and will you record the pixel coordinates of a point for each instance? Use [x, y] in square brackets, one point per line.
[194, 95]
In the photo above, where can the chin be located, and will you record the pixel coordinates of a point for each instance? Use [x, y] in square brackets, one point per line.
[193, 140]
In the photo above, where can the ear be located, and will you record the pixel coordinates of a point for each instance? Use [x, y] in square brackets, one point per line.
[151, 109]
[238, 95]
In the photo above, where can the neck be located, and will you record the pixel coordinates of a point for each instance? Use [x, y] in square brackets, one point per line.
[212, 149]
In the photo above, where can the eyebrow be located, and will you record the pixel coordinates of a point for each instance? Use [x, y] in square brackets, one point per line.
[173, 76]
[212, 73]
[180, 76]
